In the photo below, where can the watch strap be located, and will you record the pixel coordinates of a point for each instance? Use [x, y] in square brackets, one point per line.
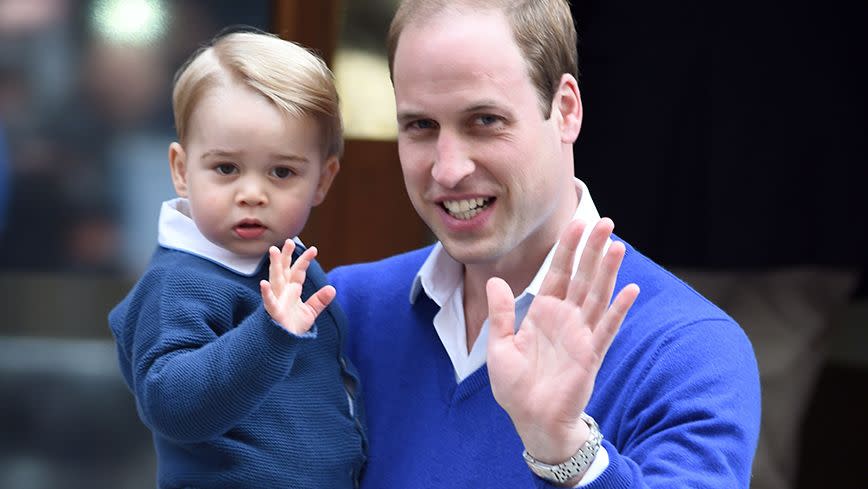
[575, 465]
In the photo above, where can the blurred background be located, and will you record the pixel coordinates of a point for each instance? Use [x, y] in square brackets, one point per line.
[686, 107]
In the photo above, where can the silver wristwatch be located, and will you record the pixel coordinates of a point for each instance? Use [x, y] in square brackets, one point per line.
[577, 464]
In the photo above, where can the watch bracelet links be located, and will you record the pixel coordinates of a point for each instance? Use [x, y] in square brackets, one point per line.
[575, 465]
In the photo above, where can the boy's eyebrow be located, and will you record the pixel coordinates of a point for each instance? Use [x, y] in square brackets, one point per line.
[290, 157]
[222, 153]
[219, 153]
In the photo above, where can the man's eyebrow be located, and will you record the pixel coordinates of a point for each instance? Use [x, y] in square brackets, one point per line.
[410, 115]
[484, 105]
[488, 106]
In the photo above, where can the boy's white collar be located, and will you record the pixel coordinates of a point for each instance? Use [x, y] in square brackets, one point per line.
[177, 231]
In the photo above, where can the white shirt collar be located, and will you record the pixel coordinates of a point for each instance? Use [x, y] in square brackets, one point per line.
[177, 231]
[441, 274]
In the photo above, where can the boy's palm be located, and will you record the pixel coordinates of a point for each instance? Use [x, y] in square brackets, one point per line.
[281, 293]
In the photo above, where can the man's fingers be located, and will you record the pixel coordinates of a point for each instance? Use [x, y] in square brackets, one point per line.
[501, 309]
[596, 301]
[321, 299]
[611, 322]
[557, 279]
[590, 261]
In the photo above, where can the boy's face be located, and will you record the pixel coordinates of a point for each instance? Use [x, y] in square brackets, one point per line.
[250, 172]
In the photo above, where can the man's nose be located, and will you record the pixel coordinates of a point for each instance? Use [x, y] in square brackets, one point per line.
[452, 162]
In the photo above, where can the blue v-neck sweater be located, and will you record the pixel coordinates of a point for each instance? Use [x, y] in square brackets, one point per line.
[233, 400]
[677, 397]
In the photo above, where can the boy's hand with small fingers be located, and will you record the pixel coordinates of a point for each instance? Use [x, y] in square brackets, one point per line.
[281, 293]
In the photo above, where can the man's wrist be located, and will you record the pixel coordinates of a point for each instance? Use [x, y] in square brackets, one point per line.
[570, 471]
[554, 445]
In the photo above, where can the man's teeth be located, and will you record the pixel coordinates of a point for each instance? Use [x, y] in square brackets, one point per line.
[465, 209]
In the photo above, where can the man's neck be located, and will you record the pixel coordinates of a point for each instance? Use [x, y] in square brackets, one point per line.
[518, 268]
[518, 276]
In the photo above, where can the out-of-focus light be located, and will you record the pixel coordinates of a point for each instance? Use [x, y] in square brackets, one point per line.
[130, 21]
[367, 101]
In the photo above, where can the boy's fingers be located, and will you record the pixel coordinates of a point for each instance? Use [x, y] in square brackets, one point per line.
[268, 297]
[288, 248]
[275, 267]
[298, 272]
[321, 299]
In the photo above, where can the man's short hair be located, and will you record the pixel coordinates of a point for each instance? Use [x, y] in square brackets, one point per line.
[297, 81]
[543, 30]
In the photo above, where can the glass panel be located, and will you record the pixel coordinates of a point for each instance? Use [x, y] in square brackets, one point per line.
[362, 71]
[85, 123]
[85, 113]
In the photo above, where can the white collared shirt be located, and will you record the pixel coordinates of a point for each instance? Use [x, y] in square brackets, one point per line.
[441, 277]
[177, 231]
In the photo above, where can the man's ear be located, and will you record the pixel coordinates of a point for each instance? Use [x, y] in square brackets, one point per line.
[178, 167]
[567, 106]
[330, 169]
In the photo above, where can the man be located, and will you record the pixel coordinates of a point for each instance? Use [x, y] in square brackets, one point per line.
[469, 386]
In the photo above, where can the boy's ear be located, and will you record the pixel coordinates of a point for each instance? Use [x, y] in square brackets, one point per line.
[330, 168]
[178, 167]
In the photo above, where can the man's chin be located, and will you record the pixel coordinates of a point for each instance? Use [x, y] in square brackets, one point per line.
[469, 252]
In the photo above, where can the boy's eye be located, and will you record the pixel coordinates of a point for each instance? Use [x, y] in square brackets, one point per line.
[282, 172]
[226, 168]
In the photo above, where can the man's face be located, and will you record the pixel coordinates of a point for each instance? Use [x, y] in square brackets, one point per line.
[483, 167]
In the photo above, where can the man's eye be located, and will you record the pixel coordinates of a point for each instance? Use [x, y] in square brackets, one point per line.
[487, 120]
[282, 172]
[226, 168]
[421, 125]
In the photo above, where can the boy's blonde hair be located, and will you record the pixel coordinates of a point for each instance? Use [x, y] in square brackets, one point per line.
[297, 81]
[543, 30]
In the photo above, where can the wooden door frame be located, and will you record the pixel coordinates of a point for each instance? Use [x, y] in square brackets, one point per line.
[367, 214]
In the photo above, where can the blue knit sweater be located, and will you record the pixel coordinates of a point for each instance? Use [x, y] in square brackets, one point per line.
[233, 400]
[677, 397]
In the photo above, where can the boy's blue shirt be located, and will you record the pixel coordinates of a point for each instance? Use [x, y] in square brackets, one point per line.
[232, 399]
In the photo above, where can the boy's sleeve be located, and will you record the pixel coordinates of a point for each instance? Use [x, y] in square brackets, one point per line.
[192, 384]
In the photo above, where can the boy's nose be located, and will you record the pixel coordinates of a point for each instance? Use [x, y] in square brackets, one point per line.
[251, 195]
